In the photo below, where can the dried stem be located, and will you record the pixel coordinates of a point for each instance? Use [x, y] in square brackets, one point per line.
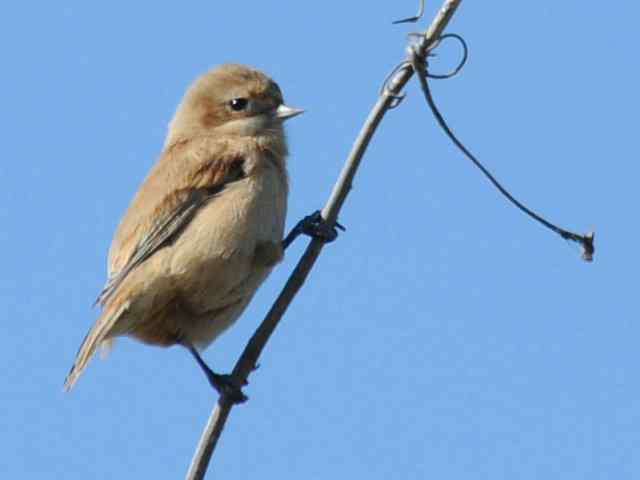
[247, 361]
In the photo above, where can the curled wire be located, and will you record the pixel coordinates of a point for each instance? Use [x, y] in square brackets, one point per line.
[396, 98]
[415, 18]
[461, 63]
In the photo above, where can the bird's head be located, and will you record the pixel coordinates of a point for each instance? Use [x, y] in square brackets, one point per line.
[231, 100]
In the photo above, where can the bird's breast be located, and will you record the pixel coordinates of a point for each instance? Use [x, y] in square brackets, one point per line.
[215, 256]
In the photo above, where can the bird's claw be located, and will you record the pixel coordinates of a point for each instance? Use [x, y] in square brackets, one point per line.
[317, 227]
[226, 386]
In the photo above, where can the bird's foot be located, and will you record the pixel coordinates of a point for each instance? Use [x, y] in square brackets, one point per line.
[226, 386]
[315, 227]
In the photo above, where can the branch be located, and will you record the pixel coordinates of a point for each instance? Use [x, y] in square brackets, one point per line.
[248, 360]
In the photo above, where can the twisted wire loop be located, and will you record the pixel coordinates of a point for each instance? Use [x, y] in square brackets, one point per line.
[461, 63]
[385, 90]
[412, 54]
[419, 65]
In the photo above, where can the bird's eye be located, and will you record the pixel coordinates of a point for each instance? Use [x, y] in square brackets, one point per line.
[238, 104]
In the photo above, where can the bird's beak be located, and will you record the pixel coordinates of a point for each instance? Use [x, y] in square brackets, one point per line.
[284, 112]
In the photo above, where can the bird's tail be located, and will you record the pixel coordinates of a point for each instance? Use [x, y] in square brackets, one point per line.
[93, 339]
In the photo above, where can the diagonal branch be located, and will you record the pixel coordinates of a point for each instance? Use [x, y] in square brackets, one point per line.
[248, 360]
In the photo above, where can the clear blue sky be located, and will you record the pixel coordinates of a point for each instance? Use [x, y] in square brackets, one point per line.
[443, 336]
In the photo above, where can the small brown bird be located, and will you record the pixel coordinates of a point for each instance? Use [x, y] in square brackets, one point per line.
[205, 228]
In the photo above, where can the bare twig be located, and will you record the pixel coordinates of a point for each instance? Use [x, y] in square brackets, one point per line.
[247, 361]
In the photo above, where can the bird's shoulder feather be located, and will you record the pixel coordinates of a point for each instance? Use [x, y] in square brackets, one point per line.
[187, 175]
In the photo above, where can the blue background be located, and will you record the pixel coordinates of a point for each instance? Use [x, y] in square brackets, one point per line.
[445, 335]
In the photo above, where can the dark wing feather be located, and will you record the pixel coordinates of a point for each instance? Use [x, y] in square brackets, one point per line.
[165, 231]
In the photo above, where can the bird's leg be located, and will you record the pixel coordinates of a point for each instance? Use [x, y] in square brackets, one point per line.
[225, 385]
[314, 226]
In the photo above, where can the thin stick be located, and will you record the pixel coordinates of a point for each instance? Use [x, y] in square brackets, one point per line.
[247, 361]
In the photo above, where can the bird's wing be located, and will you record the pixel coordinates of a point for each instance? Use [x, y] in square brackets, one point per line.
[169, 217]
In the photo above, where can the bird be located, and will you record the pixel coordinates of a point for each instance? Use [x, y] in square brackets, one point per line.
[205, 227]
